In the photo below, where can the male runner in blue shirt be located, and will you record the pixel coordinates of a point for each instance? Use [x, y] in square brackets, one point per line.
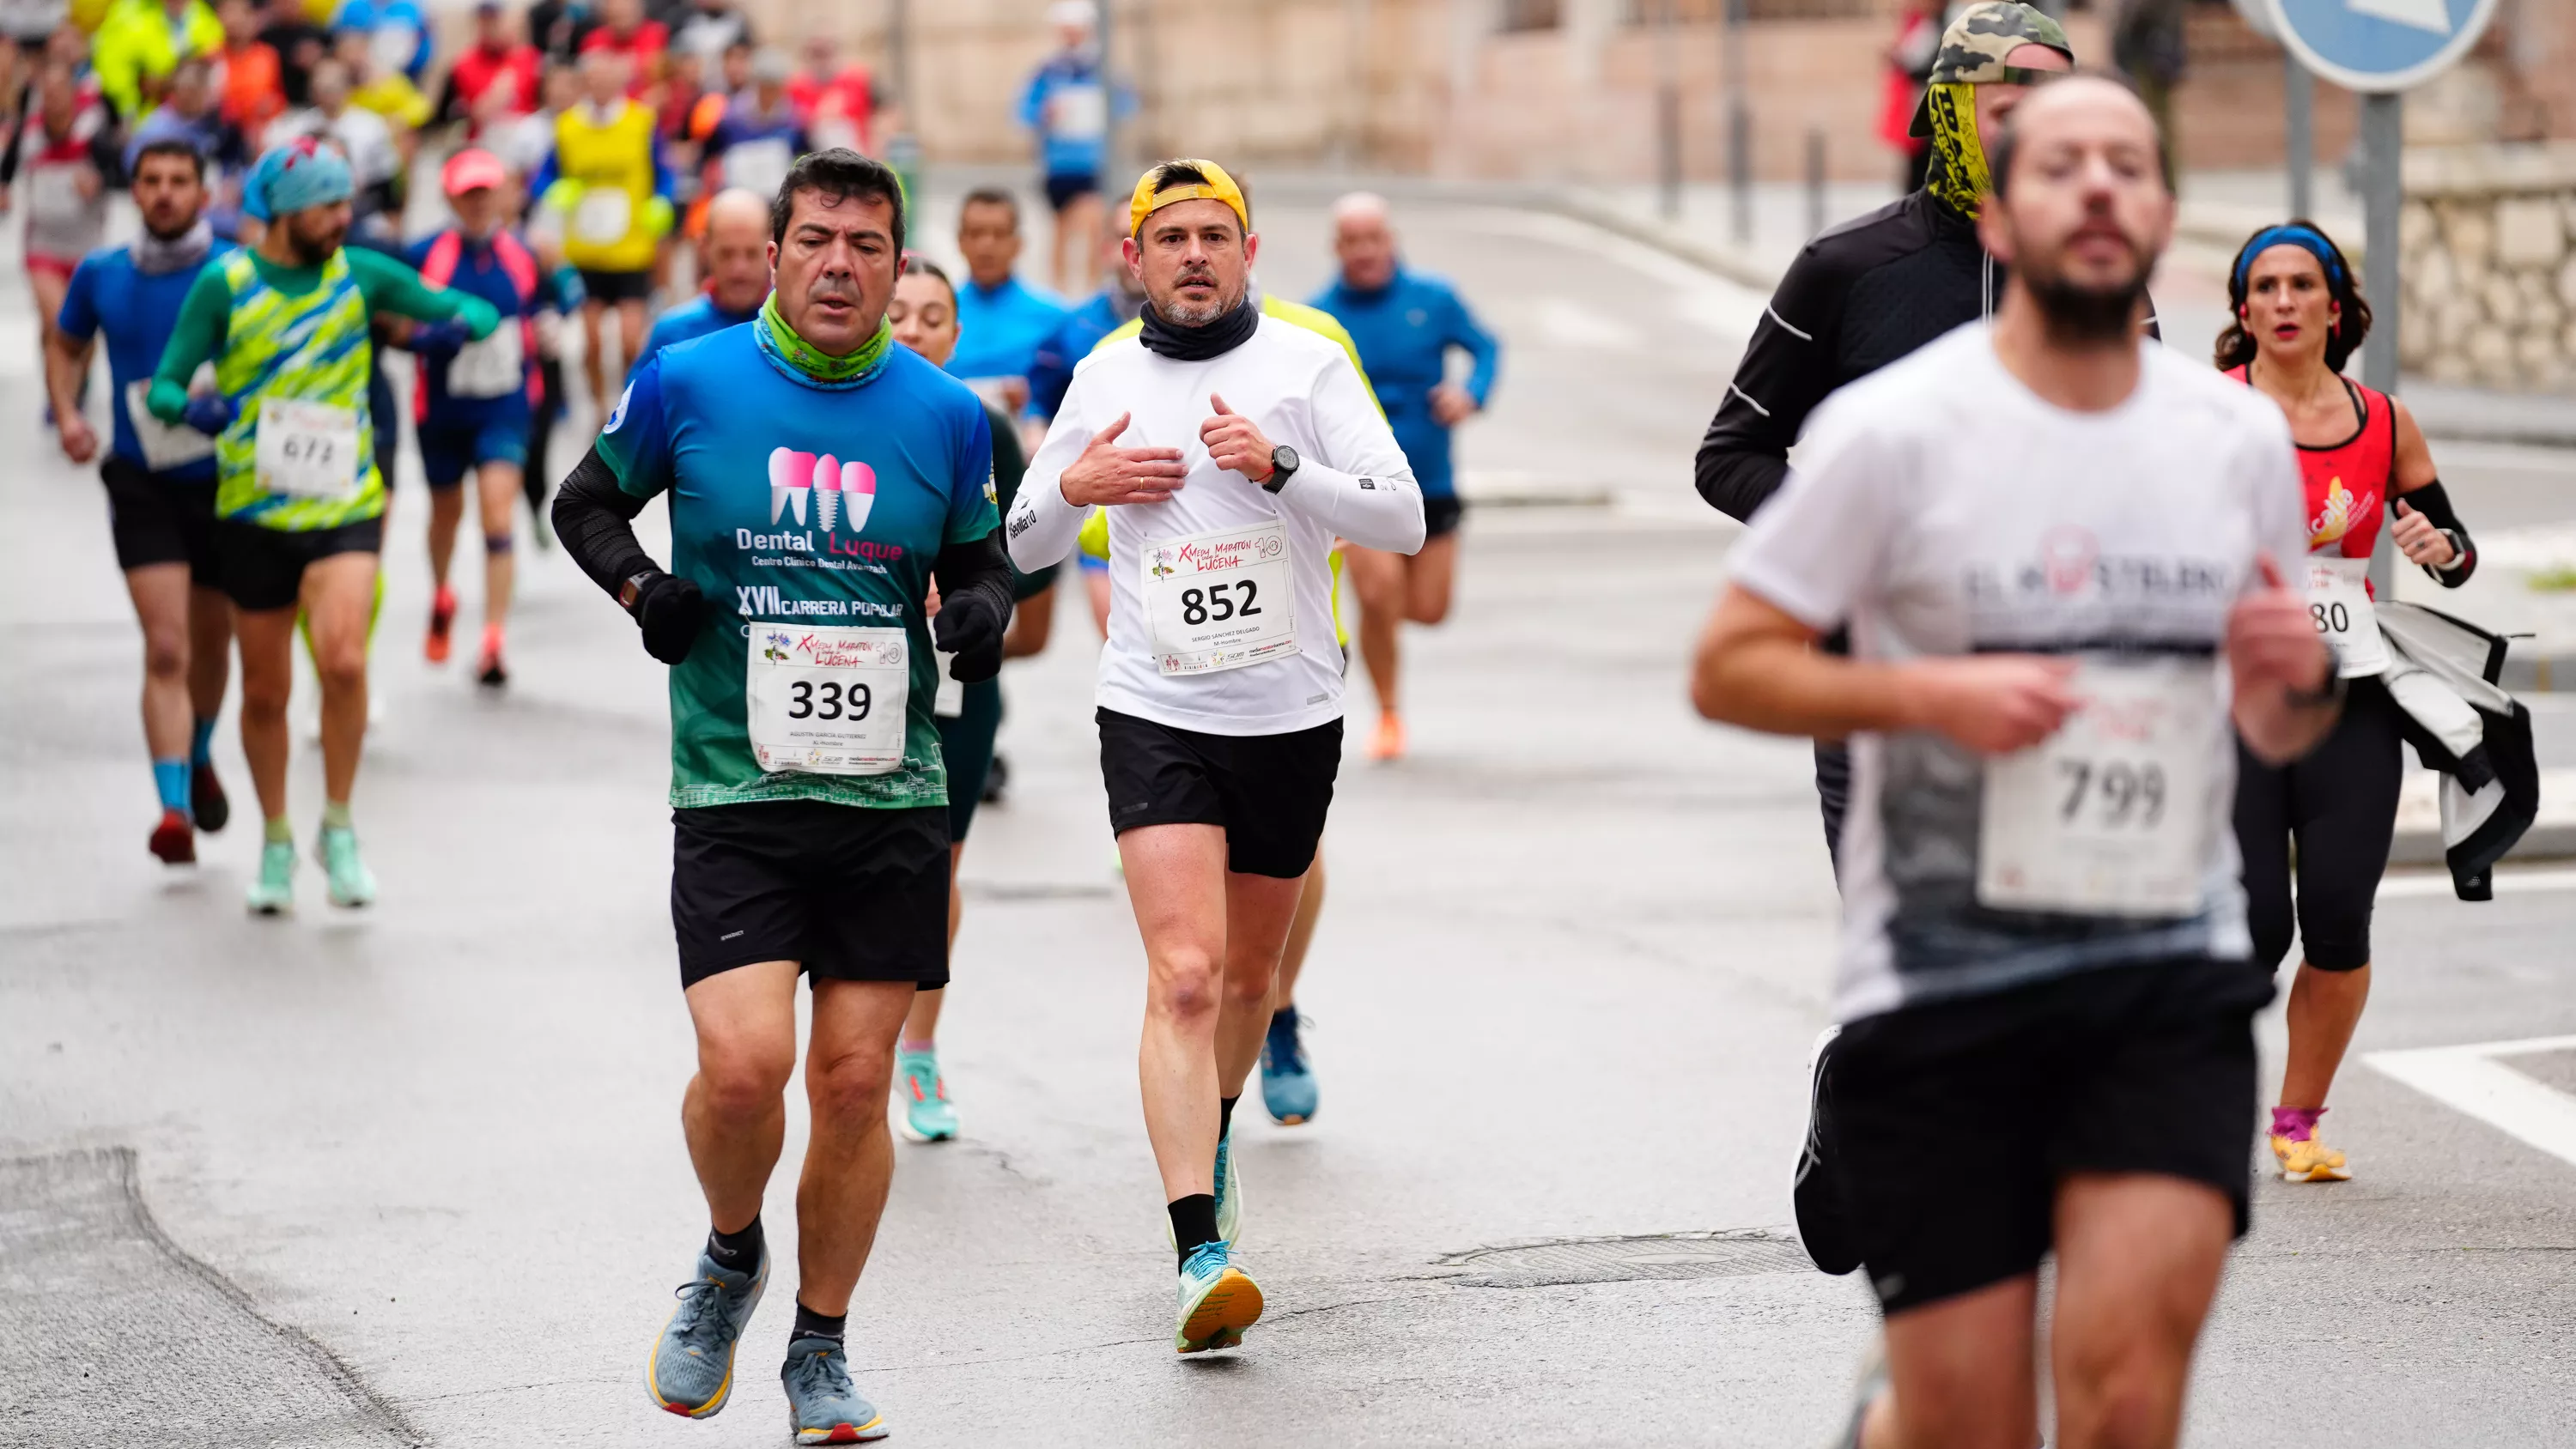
[160, 480]
[820, 478]
[734, 258]
[1406, 323]
[1000, 319]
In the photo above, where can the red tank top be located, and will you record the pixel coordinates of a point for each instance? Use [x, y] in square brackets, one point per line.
[2348, 482]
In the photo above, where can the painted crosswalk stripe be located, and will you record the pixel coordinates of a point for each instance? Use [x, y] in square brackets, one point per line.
[2473, 1079]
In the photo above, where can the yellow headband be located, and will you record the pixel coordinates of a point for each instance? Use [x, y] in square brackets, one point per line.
[1151, 198]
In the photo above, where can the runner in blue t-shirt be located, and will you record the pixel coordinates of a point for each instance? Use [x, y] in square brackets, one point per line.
[160, 480]
[474, 401]
[1070, 102]
[734, 258]
[1000, 319]
[1406, 324]
[819, 479]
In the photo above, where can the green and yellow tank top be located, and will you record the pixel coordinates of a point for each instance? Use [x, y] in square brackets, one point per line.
[310, 348]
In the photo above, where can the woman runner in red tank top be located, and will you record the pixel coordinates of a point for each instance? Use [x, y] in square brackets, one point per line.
[2298, 318]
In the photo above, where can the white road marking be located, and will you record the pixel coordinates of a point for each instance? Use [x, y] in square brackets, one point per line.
[1692, 294]
[2507, 883]
[2470, 1079]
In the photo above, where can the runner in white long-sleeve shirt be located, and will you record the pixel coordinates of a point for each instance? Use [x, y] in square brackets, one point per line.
[1231, 449]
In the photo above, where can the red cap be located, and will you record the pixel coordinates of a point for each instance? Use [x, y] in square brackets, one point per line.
[472, 169]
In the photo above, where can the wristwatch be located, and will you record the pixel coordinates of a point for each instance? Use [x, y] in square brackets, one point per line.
[632, 590]
[1283, 461]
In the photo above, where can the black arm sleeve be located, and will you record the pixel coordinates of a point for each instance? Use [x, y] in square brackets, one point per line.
[596, 521]
[1787, 369]
[2434, 502]
[980, 567]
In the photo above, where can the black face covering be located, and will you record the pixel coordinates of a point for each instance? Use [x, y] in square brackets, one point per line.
[1198, 344]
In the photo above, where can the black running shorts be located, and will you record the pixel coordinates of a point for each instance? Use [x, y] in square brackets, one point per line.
[610, 288]
[263, 568]
[852, 893]
[156, 520]
[1268, 792]
[1953, 1122]
[1440, 515]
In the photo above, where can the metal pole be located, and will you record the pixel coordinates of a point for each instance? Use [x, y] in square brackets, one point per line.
[1739, 124]
[2383, 139]
[1668, 114]
[2299, 90]
[1109, 155]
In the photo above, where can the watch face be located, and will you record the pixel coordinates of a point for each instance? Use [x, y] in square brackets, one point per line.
[1284, 458]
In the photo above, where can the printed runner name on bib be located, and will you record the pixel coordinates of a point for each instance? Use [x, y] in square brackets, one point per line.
[2110, 815]
[2339, 602]
[1220, 600]
[307, 449]
[493, 367]
[602, 214]
[165, 445]
[825, 699]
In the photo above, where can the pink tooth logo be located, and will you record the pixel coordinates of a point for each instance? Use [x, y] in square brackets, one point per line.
[827, 491]
[791, 479]
[858, 493]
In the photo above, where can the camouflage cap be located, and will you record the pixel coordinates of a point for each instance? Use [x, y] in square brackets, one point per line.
[1973, 49]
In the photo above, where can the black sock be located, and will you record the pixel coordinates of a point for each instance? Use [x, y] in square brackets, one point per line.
[810, 1324]
[1225, 1116]
[736, 1252]
[1193, 1222]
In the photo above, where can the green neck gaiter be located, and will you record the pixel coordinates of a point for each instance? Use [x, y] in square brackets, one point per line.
[794, 353]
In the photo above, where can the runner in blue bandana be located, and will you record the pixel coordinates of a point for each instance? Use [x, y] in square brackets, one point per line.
[820, 479]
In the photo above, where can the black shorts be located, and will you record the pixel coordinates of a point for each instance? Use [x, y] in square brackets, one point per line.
[611, 287]
[263, 568]
[1441, 515]
[157, 520]
[1268, 792]
[1953, 1122]
[851, 893]
[1063, 187]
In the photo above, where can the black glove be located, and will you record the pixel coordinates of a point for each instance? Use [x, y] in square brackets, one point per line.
[670, 610]
[970, 627]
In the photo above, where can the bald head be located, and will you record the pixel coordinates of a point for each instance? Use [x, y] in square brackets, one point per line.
[737, 249]
[1364, 241]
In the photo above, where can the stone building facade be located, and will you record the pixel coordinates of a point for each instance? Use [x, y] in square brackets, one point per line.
[2488, 258]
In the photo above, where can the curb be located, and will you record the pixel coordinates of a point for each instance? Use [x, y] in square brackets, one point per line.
[2545, 840]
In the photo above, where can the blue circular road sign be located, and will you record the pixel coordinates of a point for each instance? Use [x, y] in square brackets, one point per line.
[2380, 45]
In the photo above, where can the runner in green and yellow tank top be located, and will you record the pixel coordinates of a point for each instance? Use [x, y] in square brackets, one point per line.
[299, 499]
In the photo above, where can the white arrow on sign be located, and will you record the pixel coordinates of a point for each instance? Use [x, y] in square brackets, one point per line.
[2430, 15]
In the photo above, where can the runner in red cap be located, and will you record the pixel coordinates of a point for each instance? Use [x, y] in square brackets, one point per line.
[473, 401]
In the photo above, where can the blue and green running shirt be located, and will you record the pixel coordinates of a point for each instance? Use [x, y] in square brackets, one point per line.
[701, 422]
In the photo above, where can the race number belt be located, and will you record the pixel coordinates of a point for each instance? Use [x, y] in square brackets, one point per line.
[2110, 815]
[493, 367]
[601, 216]
[826, 699]
[307, 449]
[165, 445]
[2339, 602]
[1220, 600]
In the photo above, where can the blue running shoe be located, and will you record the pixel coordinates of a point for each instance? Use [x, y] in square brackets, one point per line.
[1218, 1301]
[823, 1407]
[928, 1115]
[690, 1370]
[1287, 1082]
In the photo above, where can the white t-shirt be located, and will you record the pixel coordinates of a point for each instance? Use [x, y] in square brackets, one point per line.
[1352, 482]
[1939, 507]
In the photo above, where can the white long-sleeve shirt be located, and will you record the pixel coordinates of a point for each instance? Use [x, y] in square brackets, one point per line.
[1352, 482]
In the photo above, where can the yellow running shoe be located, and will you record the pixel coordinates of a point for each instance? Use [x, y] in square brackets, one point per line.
[2309, 1161]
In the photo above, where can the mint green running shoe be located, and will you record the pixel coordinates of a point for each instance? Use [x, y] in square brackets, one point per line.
[273, 892]
[1218, 1301]
[928, 1115]
[352, 884]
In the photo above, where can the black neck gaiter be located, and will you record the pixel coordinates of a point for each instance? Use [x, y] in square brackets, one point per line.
[1198, 344]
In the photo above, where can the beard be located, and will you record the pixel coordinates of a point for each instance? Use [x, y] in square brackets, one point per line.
[313, 250]
[2087, 316]
[172, 227]
[1187, 314]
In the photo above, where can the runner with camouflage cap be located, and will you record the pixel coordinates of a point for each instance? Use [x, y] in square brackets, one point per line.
[1978, 50]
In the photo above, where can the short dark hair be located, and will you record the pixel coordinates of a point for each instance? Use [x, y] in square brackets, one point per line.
[839, 174]
[991, 196]
[1999, 157]
[172, 146]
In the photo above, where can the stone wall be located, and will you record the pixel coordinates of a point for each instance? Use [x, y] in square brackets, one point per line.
[2488, 255]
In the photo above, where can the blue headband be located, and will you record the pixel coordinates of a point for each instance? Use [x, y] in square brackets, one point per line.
[294, 176]
[2292, 234]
